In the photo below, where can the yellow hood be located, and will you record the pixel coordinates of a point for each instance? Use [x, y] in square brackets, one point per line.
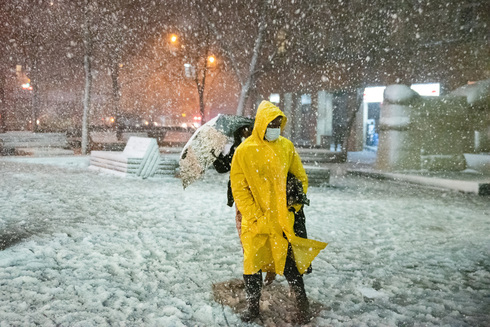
[258, 179]
[266, 112]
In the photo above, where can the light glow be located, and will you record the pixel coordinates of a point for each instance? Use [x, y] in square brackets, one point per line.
[430, 89]
[26, 86]
[374, 94]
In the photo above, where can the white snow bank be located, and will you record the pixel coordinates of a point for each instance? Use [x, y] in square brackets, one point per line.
[478, 162]
[400, 94]
[474, 93]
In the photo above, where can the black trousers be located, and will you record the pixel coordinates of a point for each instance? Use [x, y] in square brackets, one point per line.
[253, 283]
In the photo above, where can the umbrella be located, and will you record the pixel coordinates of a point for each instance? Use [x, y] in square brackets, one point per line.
[209, 139]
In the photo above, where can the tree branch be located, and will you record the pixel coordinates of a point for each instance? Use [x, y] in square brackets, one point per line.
[225, 48]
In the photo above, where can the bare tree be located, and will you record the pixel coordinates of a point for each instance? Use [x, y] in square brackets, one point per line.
[114, 35]
[249, 76]
[194, 50]
[122, 29]
[245, 77]
[255, 43]
[28, 49]
[4, 49]
[38, 37]
[87, 65]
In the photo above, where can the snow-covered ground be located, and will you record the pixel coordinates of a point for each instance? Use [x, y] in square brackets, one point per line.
[87, 249]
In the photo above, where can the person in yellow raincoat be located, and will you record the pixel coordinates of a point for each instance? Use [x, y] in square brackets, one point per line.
[258, 180]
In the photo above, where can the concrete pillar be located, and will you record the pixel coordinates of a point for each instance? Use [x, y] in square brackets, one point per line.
[399, 147]
[355, 106]
[312, 122]
[288, 111]
[297, 117]
[3, 105]
[324, 119]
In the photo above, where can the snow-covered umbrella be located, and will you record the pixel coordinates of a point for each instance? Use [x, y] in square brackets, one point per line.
[208, 141]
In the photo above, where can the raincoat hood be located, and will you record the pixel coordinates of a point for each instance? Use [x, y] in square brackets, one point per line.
[267, 112]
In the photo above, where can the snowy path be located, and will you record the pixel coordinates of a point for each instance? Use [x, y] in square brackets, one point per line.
[98, 250]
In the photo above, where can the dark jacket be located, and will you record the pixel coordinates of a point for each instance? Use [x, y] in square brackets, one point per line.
[296, 195]
[222, 164]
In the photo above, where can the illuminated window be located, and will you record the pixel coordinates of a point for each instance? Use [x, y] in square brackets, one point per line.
[305, 99]
[374, 94]
[430, 89]
[275, 98]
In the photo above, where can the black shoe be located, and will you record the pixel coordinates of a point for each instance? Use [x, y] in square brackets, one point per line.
[250, 315]
[253, 287]
[304, 315]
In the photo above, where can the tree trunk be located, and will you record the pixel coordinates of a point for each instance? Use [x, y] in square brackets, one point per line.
[201, 85]
[243, 97]
[35, 106]
[35, 96]
[201, 105]
[251, 70]
[3, 113]
[87, 65]
[116, 97]
[246, 83]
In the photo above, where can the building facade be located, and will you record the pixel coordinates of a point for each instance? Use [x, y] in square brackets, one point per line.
[358, 45]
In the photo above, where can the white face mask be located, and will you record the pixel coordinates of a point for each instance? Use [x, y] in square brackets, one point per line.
[272, 134]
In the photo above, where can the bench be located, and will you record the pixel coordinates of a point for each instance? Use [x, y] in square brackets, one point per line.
[36, 144]
[317, 176]
[316, 156]
[140, 158]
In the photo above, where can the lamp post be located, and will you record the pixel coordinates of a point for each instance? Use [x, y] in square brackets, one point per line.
[197, 62]
[174, 43]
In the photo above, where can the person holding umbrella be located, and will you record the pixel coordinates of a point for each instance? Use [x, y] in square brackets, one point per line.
[258, 177]
[222, 164]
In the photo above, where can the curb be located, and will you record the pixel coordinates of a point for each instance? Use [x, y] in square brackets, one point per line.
[474, 187]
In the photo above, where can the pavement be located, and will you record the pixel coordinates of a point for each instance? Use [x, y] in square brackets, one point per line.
[473, 180]
[470, 180]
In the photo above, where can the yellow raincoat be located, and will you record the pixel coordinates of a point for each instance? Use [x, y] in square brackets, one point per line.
[258, 180]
